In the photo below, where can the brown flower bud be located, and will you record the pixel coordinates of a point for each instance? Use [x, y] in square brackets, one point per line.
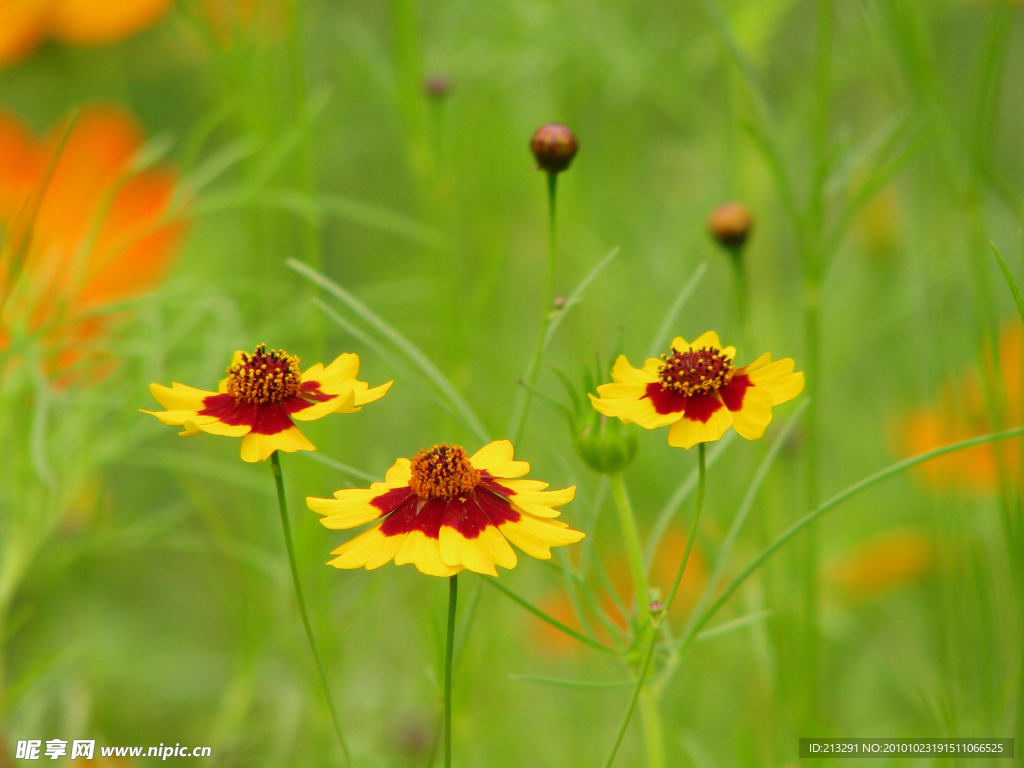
[437, 87]
[554, 146]
[730, 224]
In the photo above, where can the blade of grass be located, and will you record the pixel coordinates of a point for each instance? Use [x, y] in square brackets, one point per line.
[661, 337]
[1010, 282]
[431, 371]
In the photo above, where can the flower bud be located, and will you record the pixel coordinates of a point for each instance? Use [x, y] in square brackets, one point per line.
[730, 224]
[437, 87]
[554, 146]
[605, 445]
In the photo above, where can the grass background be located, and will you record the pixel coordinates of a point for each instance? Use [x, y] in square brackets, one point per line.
[158, 607]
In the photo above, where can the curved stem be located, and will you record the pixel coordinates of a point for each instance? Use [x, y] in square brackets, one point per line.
[660, 616]
[523, 405]
[453, 596]
[279, 479]
[627, 522]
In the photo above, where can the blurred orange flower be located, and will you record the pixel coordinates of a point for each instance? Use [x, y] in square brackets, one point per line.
[960, 412]
[663, 572]
[24, 24]
[79, 231]
[882, 563]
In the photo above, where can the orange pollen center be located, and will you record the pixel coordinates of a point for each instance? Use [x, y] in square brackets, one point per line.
[696, 372]
[443, 472]
[264, 377]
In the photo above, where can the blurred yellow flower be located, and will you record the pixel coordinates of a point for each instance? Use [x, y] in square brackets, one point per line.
[261, 395]
[445, 511]
[74, 241]
[699, 392]
[882, 563]
[24, 24]
[959, 413]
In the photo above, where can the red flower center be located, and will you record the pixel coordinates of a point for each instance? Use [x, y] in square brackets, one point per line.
[264, 377]
[696, 372]
[443, 472]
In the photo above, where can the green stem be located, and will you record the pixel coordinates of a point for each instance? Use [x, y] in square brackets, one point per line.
[660, 617]
[651, 719]
[627, 522]
[453, 596]
[519, 416]
[279, 479]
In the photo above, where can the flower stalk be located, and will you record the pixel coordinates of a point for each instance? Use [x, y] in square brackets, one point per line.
[627, 522]
[659, 618]
[453, 596]
[283, 504]
[520, 414]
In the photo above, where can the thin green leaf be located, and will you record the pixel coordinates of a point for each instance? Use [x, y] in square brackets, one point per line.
[682, 492]
[549, 400]
[431, 371]
[576, 296]
[345, 469]
[358, 333]
[658, 342]
[835, 501]
[747, 504]
[551, 619]
[729, 626]
[1009, 280]
[570, 683]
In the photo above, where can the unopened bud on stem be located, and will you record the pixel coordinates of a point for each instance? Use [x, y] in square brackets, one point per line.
[554, 146]
[730, 225]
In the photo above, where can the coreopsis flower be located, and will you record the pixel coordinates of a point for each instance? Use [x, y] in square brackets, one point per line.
[698, 392]
[80, 231]
[960, 412]
[262, 394]
[24, 24]
[445, 511]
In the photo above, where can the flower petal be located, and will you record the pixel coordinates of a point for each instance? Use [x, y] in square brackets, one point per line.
[370, 549]
[778, 379]
[179, 397]
[425, 553]
[707, 339]
[624, 373]
[496, 458]
[536, 537]
[754, 412]
[353, 507]
[703, 426]
[258, 446]
[679, 344]
[303, 410]
[459, 538]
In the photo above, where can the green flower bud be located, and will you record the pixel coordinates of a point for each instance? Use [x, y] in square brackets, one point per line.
[605, 444]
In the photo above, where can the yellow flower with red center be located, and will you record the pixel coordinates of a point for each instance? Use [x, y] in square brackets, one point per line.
[698, 392]
[24, 24]
[81, 229]
[261, 395]
[445, 511]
